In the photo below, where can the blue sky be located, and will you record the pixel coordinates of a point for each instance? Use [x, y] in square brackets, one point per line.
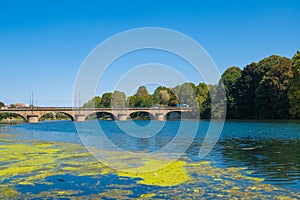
[43, 43]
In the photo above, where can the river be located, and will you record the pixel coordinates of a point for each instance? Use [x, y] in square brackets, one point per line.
[251, 159]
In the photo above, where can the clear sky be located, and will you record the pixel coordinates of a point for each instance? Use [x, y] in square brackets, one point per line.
[43, 43]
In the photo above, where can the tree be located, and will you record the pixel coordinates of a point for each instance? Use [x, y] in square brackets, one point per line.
[4, 115]
[280, 75]
[106, 100]
[271, 100]
[142, 98]
[252, 102]
[47, 116]
[62, 116]
[230, 78]
[132, 101]
[203, 97]
[93, 103]
[12, 106]
[217, 101]
[186, 94]
[164, 97]
[263, 105]
[264, 66]
[294, 90]
[246, 92]
[142, 92]
[118, 99]
[2, 104]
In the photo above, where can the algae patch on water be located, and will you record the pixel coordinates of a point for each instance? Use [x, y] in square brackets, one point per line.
[27, 162]
[168, 175]
[32, 162]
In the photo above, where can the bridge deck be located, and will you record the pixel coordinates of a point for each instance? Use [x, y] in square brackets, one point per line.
[93, 109]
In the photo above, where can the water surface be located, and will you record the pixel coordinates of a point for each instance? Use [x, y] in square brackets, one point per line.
[261, 158]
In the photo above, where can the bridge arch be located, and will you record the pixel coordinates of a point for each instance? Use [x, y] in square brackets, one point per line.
[105, 115]
[65, 113]
[12, 114]
[173, 115]
[143, 114]
[47, 115]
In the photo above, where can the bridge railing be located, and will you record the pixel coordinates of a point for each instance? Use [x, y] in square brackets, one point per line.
[76, 108]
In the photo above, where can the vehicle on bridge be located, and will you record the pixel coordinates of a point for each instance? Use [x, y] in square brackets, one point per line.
[182, 105]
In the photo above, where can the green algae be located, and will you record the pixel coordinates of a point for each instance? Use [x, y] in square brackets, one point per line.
[231, 183]
[170, 175]
[31, 162]
[116, 194]
[147, 196]
[7, 193]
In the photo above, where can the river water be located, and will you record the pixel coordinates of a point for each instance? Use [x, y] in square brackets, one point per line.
[250, 160]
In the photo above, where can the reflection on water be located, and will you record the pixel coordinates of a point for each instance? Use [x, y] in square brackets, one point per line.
[260, 152]
[276, 159]
[270, 149]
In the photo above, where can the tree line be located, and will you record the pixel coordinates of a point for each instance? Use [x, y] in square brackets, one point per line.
[268, 89]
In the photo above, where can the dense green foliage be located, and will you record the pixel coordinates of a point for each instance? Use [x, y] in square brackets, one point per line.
[54, 116]
[106, 100]
[294, 91]
[269, 89]
[142, 98]
[12, 106]
[118, 99]
[93, 103]
[203, 97]
[164, 97]
[271, 99]
[11, 118]
[230, 78]
[246, 92]
[115, 99]
[48, 116]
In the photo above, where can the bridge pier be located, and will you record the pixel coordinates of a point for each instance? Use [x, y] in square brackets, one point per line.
[122, 117]
[79, 118]
[160, 116]
[32, 119]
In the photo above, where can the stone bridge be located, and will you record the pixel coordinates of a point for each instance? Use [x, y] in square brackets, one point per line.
[32, 115]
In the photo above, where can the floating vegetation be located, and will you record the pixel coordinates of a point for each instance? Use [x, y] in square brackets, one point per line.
[171, 175]
[116, 194]
[6, 192]
[32, 169]
[147, 196]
